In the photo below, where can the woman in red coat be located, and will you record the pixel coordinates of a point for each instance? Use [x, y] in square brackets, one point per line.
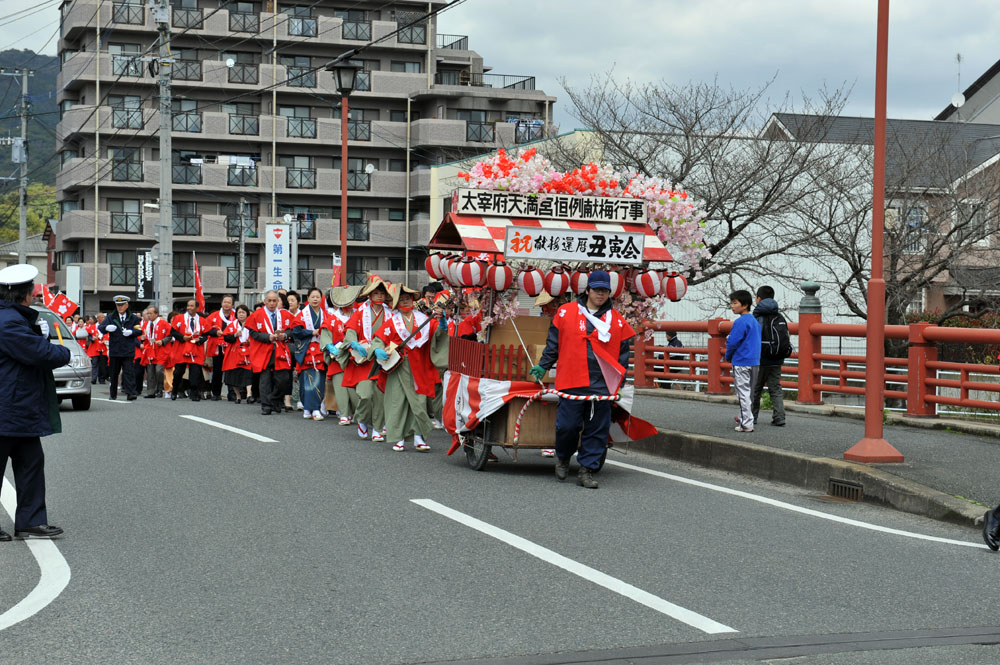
[236, 369]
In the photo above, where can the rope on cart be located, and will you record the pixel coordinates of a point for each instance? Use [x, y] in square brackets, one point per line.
[562, 395]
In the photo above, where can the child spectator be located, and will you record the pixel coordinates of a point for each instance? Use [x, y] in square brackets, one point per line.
[743, 351]
[776, 345]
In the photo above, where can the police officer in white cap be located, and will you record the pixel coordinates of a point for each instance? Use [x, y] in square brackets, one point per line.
[123, 328]
[29, 408]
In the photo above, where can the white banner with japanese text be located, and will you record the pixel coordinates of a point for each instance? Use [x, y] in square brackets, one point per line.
[278, 257]
[549, 206]
[573, 245]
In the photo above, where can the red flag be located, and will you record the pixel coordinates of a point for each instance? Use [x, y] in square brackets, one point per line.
[199, 291]
[47, 298]
[62, 306]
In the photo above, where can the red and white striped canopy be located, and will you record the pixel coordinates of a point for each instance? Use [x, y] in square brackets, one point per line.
[486, 234]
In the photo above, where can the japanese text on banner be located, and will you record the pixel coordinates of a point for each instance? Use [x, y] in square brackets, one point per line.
[572, 245]
[277, 257]
[550, 206]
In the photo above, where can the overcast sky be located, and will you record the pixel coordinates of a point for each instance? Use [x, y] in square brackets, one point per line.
[806, 43]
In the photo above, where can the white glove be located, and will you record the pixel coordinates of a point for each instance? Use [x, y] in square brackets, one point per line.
[127, 332]
[43, 325]
[111, 328]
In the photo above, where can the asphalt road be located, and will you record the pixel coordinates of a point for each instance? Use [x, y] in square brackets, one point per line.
[191, 544]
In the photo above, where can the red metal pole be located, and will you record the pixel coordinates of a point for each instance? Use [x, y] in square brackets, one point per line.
[343, 190]
[873, 447]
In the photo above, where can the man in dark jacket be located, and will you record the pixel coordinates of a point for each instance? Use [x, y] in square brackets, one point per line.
[123, 328]
[775, 345]
[28, 405]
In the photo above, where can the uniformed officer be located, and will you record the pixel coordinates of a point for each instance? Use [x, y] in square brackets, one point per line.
[123, 328]
[29, 408]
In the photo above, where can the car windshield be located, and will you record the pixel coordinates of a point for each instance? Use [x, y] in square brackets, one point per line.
[55, 324]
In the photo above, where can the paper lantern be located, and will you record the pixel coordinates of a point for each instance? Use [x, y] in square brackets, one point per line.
[578, 281]
[499, 276]
[629, 275]
[447, 267]
[469, 272]
[531, 281]
[617, 283]
[674, 286]
[556, 282]
[433, 265]
[647, 284]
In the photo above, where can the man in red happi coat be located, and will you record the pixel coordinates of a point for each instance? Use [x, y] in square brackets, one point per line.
[215, 347]
[269, 353]
[190, 330]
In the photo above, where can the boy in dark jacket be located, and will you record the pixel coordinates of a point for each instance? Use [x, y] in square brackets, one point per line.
[775, 347]
[743, 351]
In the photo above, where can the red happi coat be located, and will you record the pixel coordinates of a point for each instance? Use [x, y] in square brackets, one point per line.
[260, 352]
[96, 347]
[417, 351]
[363, 323]
[189, 352]
[470, 325]
[314, 354]
[571, 366]
[238, 353]
[218, 321]
[82, 342]
[156, 331]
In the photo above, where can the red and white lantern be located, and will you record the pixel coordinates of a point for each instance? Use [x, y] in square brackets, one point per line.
[531, 281]
[674, 286]
[617, 283]
[648, 284]
[433, 266]
[447, 269]
[629, 275]
[469, 272]
[578, 281]
[556, 282]
[499, 276]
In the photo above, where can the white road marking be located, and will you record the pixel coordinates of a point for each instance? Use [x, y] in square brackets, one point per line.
[113, 401]
[230, 428]
[794, 508]
[677, 612]
[54, 571]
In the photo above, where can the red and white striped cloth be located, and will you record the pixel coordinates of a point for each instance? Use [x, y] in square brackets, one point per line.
[486, 234]
[468, 400]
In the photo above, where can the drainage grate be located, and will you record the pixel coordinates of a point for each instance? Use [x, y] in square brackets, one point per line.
[846, 489]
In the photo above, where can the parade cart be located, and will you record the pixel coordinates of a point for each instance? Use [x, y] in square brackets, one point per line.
[504, 243]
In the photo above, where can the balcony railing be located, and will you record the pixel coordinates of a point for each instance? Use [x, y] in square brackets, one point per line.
[242, 176]
[244, 22]
[479, 132]
[126, 222]
[456, 42]
[244, 72]
[307, 278]
[307, 229]
[187, 225]
[233, 227]
[183, 276]
[301, 128]
[363, 81]
[528, 131]
[359, 182]
[357, 230]
[189, 19]
[359, 130]
[233, 278]
[187, 121]
[123, 275]
[126, 171]
[301, 77]
[126, 118]
[300, 26]
[128, 13]
[414, 34]
[125, 65]
[508, 81]
[244, 124]
[298, 178]
[186, 174]
[360, 30]
[186, 70]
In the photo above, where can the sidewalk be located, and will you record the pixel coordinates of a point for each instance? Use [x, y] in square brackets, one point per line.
[946, 475]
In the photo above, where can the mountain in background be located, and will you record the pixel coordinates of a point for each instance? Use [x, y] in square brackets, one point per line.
[42, 162]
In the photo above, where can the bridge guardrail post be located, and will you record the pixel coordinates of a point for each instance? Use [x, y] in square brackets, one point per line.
[810, 312]
[716, 354]
[920, 352]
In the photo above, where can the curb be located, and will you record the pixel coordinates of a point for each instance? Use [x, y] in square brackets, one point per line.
[810, 472]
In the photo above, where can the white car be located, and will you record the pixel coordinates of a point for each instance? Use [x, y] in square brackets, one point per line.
[72, 380]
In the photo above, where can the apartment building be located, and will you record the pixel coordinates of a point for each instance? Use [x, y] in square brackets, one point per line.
[255, 116]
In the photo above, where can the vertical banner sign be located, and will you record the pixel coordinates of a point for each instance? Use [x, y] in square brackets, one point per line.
[144, 272]
[277, 263]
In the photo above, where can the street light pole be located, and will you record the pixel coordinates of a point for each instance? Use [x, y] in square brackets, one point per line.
[873, 447]
[345, 73]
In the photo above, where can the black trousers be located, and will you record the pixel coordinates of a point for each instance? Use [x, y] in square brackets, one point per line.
[217, 374]
[28, 464]
[194, 377]
[274, 384]
[126, 366]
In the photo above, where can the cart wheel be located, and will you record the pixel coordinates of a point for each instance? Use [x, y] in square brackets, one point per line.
[476, 452]
[600, 465]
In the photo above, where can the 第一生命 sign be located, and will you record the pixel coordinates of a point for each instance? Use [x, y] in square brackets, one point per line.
[573, 245]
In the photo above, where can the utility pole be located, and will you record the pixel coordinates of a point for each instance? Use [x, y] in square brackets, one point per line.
[19, 155]
[165, 229]
[243, 249]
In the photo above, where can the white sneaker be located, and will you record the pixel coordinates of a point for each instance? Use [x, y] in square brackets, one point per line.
[437, 423]
[298, 406]
[362, 431]
[166, 395]
[308, 414]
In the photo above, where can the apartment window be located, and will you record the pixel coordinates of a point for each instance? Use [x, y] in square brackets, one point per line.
[126, 164]
[397, 214]
[186, 117]
[397, 164]
[187, 221]
[300, 70]
[187, 65]
[126, 215]
[131, 13]
[299, 173]
[362, 115]
[232, 214]
[186, 14]
[242, 118]
[123, 269]
[400, 116]
[68, 206]
[231, 262]
[972, 220]
[66, 258]
[406, 67]
[413, 34]
[244, 69]
[395, 262]
[295, 111]
[358, 268]
[913, 228]
[64, 106]
[243, 17]
[300, 124]
[126, 111]
[123, 59]
[356, 25]
[300, 22]
[184, 172]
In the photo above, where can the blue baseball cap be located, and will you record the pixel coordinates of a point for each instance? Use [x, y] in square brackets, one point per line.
[599, 279]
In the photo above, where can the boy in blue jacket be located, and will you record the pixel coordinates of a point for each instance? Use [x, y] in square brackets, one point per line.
[743, 351]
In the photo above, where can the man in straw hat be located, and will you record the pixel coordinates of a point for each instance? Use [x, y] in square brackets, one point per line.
[29, 408]
[411, 382]
[358, 335]
[342, 300]
[123, 328]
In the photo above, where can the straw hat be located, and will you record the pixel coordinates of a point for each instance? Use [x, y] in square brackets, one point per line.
[399, 289]
[343, 296]
[543, 298]
[374, 281]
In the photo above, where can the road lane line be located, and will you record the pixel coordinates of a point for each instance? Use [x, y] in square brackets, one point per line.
[113, 401]
[230, 428]
[794, 508]
[677, 612]
[54, 572]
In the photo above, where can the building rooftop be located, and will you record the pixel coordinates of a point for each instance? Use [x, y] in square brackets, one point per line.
[36, 245]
